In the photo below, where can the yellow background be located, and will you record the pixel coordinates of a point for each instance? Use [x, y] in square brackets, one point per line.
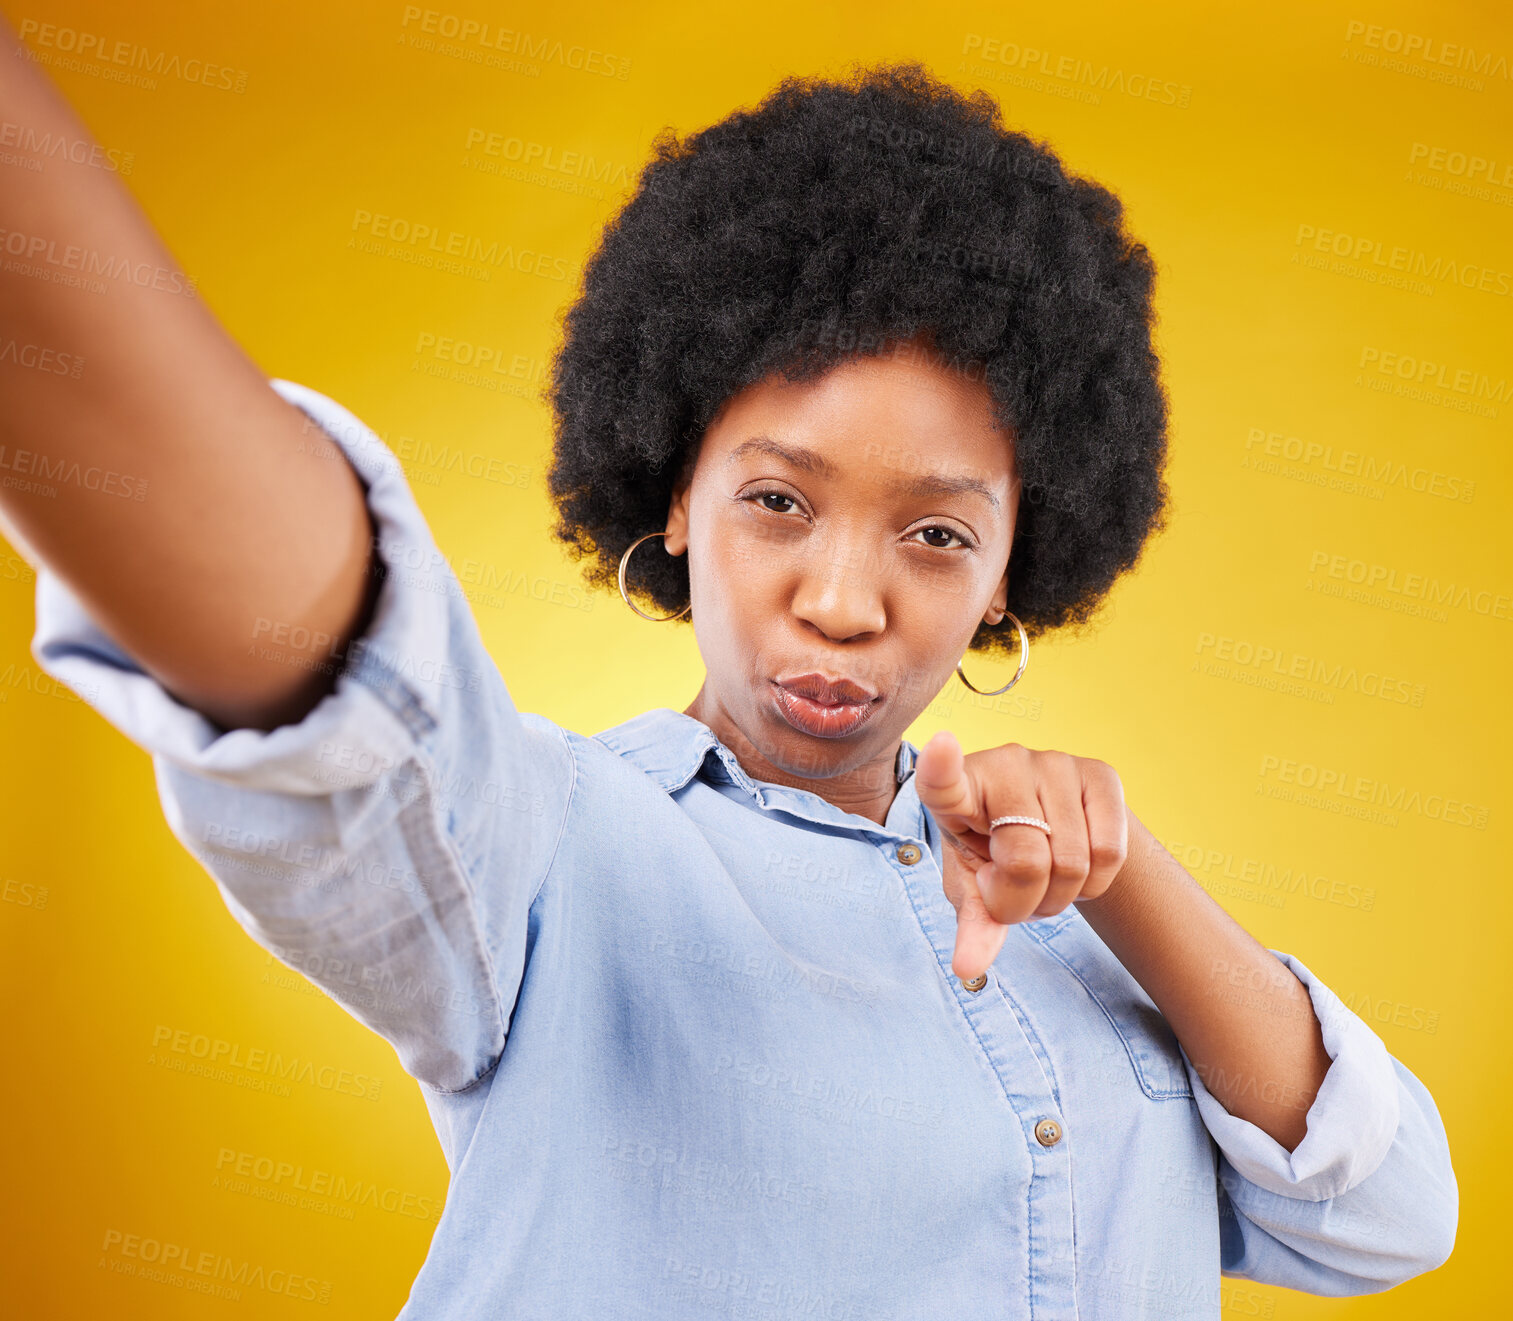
[1288, 123]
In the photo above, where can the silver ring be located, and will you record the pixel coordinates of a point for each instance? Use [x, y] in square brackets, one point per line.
[1020, 821]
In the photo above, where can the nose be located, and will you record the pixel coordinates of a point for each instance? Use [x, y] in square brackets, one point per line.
[839, 592]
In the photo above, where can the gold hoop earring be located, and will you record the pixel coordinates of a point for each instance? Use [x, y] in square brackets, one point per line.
[1024, 657]
[624, 560]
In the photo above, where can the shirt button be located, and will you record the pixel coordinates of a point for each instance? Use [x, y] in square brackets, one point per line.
[909, 854]
[977, 983]
[1048, 1132]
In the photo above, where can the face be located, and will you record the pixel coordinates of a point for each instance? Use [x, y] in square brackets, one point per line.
[853, 529]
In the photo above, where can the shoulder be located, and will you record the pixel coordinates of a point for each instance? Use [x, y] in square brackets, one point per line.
[664, 746]
[659, 750]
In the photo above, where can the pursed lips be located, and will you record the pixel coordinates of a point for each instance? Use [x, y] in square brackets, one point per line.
[824, 707]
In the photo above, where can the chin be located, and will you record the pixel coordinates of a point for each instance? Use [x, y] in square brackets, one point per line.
[814, 758]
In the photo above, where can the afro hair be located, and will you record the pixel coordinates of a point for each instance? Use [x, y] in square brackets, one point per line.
[839, 217]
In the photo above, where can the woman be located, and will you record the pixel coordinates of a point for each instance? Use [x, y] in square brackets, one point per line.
[752, 1008]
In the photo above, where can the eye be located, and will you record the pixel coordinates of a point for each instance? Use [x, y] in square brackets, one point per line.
[773, 495]
[949, 532]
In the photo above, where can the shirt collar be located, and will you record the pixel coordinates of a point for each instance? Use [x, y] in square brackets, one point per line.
[672, 747]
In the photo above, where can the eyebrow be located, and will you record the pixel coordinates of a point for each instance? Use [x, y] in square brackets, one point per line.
[812, 461]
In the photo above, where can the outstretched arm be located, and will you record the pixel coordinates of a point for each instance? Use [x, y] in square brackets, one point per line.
[388, 841]
[230, 519]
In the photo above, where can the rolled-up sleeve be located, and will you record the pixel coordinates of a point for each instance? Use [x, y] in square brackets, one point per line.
[389, 844]
[1367, 1200]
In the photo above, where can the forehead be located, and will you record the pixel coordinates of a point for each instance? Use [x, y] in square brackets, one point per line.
[896, 414]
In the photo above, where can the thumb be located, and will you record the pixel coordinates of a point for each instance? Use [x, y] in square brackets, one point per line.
[942, 780]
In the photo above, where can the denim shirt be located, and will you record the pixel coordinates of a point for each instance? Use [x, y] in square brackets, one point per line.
[691, 1041]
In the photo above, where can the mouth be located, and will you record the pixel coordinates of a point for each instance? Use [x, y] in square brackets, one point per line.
[825, 708]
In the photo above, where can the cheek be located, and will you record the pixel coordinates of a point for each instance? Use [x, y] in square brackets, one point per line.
[731, 581]
[729, 555]
[936, 616]
[942, 599]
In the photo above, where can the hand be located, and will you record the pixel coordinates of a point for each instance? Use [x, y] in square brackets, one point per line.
[1018, 872]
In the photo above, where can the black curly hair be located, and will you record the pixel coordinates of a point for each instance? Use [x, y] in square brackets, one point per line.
[842, 217]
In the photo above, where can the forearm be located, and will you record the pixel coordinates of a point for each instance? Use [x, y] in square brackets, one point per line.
[1246, 1022]
[191, 509]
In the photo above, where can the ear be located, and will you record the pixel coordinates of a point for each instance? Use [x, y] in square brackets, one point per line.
[676, 540]
[998, 607]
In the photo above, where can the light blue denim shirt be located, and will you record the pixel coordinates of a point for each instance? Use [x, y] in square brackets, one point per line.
[691, 1041]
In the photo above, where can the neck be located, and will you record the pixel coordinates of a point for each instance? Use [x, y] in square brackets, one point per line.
[866, 789]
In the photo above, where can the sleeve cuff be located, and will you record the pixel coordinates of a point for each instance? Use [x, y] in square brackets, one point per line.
[369, 722]
[1351, 1123]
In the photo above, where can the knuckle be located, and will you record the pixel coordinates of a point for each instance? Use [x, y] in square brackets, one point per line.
[1072, 866]
[1107, 852]
[1023, 869]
